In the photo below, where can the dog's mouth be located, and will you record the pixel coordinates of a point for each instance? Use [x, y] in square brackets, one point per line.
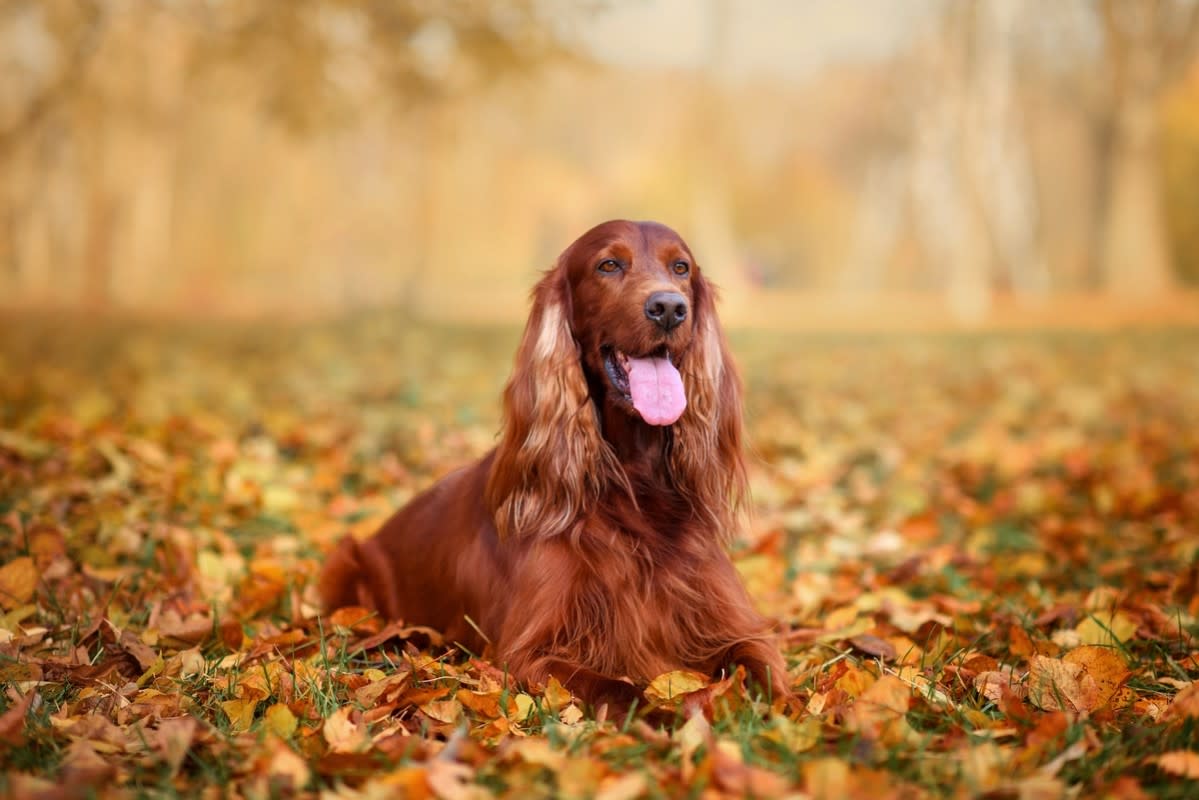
[651, 384]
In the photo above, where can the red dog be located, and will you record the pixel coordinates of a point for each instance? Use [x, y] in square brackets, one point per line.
[589, 544]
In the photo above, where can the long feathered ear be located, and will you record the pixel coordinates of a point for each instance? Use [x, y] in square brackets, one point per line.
[548, 465]
[706, 456]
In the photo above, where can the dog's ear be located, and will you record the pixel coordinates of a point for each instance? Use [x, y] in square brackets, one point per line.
[550, 463]
[706, 456]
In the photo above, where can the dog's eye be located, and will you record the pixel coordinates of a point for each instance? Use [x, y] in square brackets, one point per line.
[609, 265]
[680, 267]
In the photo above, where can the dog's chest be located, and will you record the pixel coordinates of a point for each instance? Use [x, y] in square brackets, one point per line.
[646, 620]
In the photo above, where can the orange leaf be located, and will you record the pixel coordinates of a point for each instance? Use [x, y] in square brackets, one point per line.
[1185, 704]
[18, 580]
[343, 732]
[1184, 763]
[1104, 665]
[879, 712]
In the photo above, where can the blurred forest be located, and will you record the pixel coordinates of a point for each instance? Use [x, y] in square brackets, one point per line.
[251, 156]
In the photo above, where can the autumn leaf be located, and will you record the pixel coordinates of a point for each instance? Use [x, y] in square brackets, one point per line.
[920, 549]
[672, 685]
[556, 696]
[344, 731]
[1184, 763]
[18, 580]
[240, 713]
[879, 712]
[1084, 680]
[12, 721]
[281, 721]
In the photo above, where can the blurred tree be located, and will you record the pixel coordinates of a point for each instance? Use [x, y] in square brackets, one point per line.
[69, 121]
[1147, 45]
[961, 169]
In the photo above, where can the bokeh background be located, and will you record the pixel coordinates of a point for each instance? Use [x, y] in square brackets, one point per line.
[858, 162]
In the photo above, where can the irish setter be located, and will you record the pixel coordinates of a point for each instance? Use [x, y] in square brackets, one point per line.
[589, 544]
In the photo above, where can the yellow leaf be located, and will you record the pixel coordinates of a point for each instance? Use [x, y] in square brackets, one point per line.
[1105, 628]
[570, 715]
[795, 737]
[524, 706]
[855, 681]
[280, 721]
[556, 695]
[1184, 763]
[240, 713]
[18, 580]
[670, 685]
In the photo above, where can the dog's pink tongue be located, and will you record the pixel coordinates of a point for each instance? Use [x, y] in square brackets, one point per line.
[657, 390]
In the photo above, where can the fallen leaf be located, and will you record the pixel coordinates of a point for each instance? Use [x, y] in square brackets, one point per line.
[281, 721]
[873, 646]
[556, 695]
[284, 764]
[879, 712]
[629, 786]
[1184, 705]
[240, 713]
[18, 581]
[1184, 763]
[343, 732]
[173, 739]
[671, 685]
[12, 721]
[826, 778]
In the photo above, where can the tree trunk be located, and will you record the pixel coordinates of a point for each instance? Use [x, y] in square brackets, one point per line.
[1136, 254]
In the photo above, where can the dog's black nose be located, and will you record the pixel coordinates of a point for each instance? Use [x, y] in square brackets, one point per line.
[666, 309]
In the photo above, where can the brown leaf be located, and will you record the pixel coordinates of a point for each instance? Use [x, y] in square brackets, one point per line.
[12, 721]
[873, 646]
[733, 775]
[173, 739]
[83, 766]
[397, 630]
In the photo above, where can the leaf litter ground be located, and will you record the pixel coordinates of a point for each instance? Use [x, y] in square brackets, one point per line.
[982, 553]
